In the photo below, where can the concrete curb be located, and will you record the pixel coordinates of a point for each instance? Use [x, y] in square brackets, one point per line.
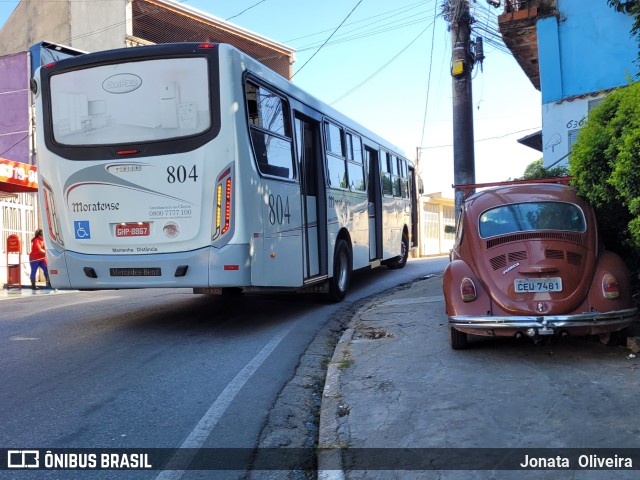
[332, 403]
[328, 436]
[328, 429]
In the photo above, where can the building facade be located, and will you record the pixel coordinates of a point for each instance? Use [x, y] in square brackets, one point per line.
[574, 52]
[436, 212]
[104, 25]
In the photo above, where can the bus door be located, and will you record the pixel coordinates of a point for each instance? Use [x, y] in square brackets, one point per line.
[375, 203]
[413, 195]
[313, 197]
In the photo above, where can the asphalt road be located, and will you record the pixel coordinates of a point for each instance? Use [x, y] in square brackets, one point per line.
[156, 368]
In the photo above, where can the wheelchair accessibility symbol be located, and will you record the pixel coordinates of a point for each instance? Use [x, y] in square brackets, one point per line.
[82, 230]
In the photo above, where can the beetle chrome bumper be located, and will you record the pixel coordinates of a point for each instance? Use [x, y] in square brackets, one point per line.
[548, 324]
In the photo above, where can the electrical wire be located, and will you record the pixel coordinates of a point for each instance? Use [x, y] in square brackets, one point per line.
[408, 18]
[404, 9]
[246, 9]
[374, 31]
[383, 67]
[426, 103]
[15, 144]
[329, 38]
[497, 137]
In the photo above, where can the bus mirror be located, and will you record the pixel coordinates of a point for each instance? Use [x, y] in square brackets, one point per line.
[449, 229]
[420, 186]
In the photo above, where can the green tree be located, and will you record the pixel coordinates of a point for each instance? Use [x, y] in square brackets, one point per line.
[537, 170]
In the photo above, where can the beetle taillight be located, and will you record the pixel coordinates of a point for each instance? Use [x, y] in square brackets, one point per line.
[468, 290]
[610, 288]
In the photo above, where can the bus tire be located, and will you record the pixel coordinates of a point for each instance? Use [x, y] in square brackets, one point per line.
[339, 283]
[232, 291]
[401, 260]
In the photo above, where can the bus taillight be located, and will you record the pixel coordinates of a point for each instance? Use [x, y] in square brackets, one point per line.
[227, 208]
[218, 206]
[222, 204]
[52, 216]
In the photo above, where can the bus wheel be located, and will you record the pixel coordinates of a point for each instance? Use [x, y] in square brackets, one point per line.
[339, 283]
[232, 291]
[401, 260]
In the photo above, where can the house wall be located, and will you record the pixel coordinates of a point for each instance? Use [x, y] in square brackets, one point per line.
[88, 26]
[19, 215]
[561, 122]
[435, 213]
[586, 49]
[98, 26]
[14, 107]
[33, 22]
[583, 52]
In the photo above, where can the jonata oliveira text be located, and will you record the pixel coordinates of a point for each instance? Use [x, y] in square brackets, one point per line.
[584, 461]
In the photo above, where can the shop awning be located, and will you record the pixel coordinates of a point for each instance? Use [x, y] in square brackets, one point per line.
[16, 177]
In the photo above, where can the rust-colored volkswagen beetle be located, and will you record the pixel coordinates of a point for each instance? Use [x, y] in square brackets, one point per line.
[527, 261]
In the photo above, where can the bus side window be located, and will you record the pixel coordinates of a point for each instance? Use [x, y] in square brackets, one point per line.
[252, 104]
[354, 163]
[385, 173]
[335, 156]
[397, 174]
[404, 180]
[271, 138]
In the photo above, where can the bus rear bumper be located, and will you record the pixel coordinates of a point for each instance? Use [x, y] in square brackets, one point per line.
[206, 267]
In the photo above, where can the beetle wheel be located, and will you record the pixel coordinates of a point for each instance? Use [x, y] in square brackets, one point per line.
[614, 339]
[339, 283]
[457, 339]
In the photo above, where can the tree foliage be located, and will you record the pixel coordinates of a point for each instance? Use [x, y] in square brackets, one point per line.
[605, 165]
[537, 170]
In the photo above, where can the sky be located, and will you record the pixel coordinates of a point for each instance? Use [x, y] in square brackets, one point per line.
[387, 66]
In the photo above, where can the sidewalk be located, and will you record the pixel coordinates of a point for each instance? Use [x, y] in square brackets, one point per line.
[8, 293]
[396, 395]
[374, 391]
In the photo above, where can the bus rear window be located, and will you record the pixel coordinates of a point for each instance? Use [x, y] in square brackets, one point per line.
[133, 102]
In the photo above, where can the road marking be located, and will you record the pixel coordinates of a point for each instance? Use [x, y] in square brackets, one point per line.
[207, 423]
[49, 308]
[78, 302]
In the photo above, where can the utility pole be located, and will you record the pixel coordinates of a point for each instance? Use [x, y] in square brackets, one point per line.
[462, 61]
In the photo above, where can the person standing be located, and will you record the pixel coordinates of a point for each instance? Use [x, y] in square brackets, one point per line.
[38, 259]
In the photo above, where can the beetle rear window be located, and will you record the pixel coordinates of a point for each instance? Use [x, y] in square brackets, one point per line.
[533, 216]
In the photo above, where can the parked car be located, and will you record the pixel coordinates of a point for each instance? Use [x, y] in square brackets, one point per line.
[527, 261]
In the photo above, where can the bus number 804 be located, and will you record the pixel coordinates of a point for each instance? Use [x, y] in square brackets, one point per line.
[179, 174]
[278, 210]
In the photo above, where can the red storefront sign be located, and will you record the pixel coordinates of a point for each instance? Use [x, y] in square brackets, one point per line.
[16, 177]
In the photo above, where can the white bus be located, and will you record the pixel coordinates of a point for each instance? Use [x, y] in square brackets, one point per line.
[193, 165]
